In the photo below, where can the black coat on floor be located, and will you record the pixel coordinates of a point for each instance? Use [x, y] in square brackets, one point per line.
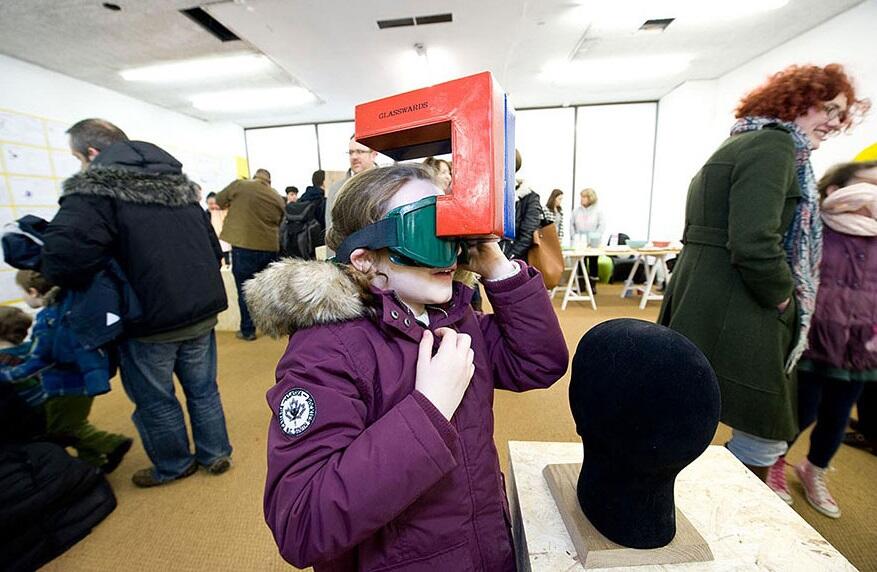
[134, 204]
[49, 501]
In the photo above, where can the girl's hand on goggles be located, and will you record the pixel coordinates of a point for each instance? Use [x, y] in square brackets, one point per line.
[486, 259]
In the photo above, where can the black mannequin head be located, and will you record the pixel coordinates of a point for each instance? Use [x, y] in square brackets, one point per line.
[646, 404]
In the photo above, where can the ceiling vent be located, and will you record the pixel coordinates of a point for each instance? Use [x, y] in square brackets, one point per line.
[397, 23]
[416, 21]
[658, 25]
[211, 24]
[434, 19]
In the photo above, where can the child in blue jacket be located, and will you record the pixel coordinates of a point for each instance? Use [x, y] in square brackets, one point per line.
[71, 375]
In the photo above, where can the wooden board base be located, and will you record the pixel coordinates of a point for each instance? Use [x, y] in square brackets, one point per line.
[597, 551]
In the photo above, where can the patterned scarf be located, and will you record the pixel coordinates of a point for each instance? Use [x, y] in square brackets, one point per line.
[803, 239]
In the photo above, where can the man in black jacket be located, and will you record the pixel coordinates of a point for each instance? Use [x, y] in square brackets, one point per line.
[133, 203]
[316, 192]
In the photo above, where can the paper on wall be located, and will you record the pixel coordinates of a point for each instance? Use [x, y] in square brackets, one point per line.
[27, 160]
[17, 128]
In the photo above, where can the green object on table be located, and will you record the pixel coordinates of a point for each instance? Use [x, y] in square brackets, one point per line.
[605, 265]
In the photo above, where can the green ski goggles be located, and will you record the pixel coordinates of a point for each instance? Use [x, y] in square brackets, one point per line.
[409, 234]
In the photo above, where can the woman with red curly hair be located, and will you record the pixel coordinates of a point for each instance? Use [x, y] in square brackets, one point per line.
[744, 288]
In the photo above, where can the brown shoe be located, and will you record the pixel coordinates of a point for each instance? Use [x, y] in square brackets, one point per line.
[218, 466]
[145, 478]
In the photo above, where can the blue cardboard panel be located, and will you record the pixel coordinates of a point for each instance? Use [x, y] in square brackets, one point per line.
[509, 191]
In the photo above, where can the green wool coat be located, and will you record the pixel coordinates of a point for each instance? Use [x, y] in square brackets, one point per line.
[732, 274]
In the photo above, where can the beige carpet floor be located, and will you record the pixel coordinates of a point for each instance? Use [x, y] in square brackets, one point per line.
[215, 523]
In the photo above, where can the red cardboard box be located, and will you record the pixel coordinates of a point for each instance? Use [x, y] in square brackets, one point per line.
[468, 117]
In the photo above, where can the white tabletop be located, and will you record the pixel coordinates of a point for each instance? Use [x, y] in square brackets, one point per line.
[620, 251]
[747, 526]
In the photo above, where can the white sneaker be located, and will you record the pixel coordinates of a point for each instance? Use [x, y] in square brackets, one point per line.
[813, 480]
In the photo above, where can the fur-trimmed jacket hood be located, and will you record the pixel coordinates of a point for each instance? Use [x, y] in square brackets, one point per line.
[135, 172]
[295, 294]
[134, 205]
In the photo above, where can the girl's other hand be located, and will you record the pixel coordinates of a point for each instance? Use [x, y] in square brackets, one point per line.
[443, 378]
[486, 259]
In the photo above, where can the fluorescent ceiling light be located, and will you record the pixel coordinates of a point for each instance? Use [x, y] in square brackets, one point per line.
[629, 15]
[204, 68]
[242, 100]
[619, 69]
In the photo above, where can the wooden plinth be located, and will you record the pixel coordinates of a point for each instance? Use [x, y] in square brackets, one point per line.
[597, 551]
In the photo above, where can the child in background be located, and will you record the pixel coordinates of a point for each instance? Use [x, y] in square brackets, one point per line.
[14, 325]
[71, 377]
[381, 452]
[841, 357]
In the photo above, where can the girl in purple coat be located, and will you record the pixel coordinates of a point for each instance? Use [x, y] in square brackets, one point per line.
[842, 354]
[380, 452]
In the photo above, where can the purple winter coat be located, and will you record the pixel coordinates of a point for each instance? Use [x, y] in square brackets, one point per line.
[846, 304]
[364, 473]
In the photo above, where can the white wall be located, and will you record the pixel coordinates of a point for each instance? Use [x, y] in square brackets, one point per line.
[38, 105]
[289, 153]
[694, 118]
[545, 139]
[614, 155]
[37, 91]
[685, 141]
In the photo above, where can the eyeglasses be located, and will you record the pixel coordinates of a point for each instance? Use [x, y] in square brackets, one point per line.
[833, 112]
[353, 152]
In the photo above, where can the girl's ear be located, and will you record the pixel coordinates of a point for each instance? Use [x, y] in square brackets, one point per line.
[362, 260]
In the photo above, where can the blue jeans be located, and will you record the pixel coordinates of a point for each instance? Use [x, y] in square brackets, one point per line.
[245, 264]
[147, 376]
[755, 451]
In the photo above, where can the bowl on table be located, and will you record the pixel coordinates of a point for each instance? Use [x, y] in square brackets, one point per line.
[636, 243]
[660, 243]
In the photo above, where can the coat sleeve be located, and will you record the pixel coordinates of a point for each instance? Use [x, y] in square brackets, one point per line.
[345, 476]
[763, 172]
[39, 356]
[523, 337]
[225, 196]
[281, 203]
[529, 223]
[79, 241]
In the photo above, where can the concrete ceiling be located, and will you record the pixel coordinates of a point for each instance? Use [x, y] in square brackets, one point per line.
[335, 48]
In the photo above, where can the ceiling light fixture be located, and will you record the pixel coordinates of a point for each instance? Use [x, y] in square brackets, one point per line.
[619, 69]
[199, 69]
[244, 100]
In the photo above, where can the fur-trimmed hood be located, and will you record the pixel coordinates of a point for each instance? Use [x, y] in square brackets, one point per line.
[293, 294]
[135, 172]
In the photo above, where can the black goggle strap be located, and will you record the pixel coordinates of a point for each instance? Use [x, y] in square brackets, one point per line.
[381, 234]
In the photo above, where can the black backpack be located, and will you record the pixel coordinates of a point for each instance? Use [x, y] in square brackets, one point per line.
[300, 232]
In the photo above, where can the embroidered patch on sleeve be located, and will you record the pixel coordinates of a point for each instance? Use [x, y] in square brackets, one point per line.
[296, 412]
